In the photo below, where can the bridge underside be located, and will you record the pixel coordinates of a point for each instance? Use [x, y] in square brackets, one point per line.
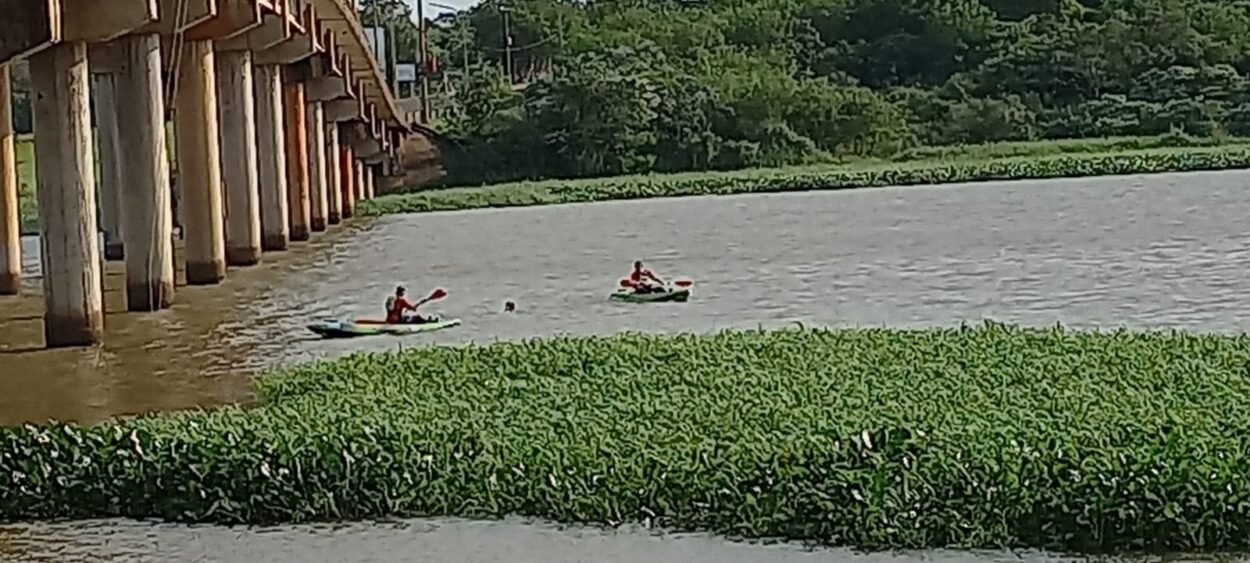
[279, 114]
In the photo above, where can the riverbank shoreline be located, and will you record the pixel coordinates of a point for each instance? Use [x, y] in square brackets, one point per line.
[989, 436]
[925, 171]
[921, 165]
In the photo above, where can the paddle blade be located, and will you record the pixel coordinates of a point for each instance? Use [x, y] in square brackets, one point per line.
[438, 294]
[683, 283]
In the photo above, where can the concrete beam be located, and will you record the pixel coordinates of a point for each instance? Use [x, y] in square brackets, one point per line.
[96, 21]
[234, 18]
[366, 140]
[181, 15]
[351, 108]
[342, 110]
[28, 26]
[273, 30]
[326, 81]
[295, 15]
[297, 47]
[65, 168]
[10, 228]
[105, 57]
[375, 124]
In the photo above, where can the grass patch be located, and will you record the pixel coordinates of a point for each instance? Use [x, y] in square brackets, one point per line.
[1015, 149]
[939, 171]
[978, 437]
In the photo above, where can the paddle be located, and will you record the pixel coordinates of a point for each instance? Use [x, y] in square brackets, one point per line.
[683, 282]
[436, 294]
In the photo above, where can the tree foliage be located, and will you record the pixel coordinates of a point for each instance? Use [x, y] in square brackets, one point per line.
[622, 86]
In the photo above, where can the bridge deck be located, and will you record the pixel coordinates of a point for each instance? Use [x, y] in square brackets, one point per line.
[341, 17]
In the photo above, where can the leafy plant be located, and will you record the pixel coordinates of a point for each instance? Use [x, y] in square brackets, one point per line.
[974, 436]
[1069, 162]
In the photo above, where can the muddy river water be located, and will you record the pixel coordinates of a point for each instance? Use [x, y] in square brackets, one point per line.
[1136, 251]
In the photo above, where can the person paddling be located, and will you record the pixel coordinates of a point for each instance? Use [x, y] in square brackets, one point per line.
[640, 279]
[397, 307]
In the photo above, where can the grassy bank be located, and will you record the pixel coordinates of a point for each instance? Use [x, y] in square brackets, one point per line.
[924, 165]
[1049, 160]
[983, 436]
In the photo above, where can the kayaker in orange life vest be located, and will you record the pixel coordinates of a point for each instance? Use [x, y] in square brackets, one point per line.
[397, 307]
[640, 279]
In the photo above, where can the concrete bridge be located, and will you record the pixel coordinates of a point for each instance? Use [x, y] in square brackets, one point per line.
[281, 121]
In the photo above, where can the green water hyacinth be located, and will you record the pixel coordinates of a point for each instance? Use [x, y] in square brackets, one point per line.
[812, 178]
[982, 436]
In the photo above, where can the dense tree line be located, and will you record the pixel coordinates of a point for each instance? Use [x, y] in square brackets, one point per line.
[638, 85]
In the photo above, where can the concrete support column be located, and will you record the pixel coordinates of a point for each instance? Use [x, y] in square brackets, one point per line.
[298, 202]
[73, 308]
[271, 158]
[334, 198]
[370, 176]
[361, 181]
[146, 216]
[199, 164]
[237, 111]
[109, 180]
[347, 174]
[10, 228]
[315, 115]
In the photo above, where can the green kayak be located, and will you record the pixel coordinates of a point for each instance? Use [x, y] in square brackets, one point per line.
[369, 327]
[671, 296]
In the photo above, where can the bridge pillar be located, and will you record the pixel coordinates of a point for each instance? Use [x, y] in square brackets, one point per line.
[347, 169]
[362, 183]
[73, 306]
[199, 164]
[10, 228]
[370, 176]
[144, 166]
[236, 96]
[109, 182]
[334, 190]
[271, 158]
[298, 203]
[316, 139]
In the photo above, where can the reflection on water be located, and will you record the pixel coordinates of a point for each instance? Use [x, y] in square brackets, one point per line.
[1140, 251]
[430, 541]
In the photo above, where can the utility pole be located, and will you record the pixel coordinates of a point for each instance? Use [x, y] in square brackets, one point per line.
[390, 30]
[507, 43]
[465, 38]
[377, 29]
[424, 56]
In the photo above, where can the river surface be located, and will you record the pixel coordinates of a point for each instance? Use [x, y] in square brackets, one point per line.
[1136, 251]
[454, 541]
